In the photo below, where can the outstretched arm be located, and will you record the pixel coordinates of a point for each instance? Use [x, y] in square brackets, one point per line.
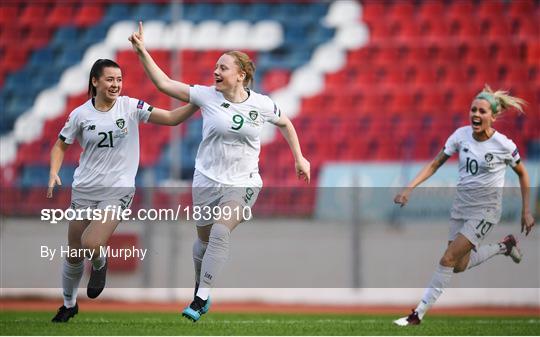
[527, 221]
[159, 78]
[174, 117]
[57, 157]
[302, 165]
[403, 197]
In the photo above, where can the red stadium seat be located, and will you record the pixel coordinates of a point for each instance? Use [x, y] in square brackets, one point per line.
[521, 8]
[14, 58]
[460, 10]
[401, 11]
[509, 53]
[431, 10]
[436, 30]
[533, 53]
[528, 30]
[88, 15]
[408, 31]
[10, 35]
[33, 14]
[469, 31]
[491, 9]
[276, 79]
[374, 12]
[498, 29]
[9, 14]
[38, 37]
[60, 15]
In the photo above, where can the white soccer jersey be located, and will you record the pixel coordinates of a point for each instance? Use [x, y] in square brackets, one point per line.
[230, 146]
[110, 142]
[481, 173]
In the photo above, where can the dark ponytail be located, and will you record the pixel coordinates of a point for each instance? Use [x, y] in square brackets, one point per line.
[97, 71]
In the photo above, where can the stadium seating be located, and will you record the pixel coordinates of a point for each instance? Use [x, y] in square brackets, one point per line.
[413, 80]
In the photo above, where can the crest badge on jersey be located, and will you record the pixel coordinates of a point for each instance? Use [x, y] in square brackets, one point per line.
[120, 122]
[488, 157]
[253, 114]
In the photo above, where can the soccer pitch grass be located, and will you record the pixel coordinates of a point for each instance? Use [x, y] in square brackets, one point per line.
[110, 323]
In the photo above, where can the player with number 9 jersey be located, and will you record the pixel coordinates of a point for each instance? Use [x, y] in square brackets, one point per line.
[226, 173]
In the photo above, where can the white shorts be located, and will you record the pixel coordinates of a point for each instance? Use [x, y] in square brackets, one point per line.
[473, 229]
[123, 203]
[208, 194]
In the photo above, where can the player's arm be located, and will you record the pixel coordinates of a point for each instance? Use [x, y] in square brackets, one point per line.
[159, 78]
[57, 157]
[403, 197]
[527, 220]
[174, 117]
[302, 165]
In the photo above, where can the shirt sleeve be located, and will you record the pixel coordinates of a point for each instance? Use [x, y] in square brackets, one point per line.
[271, 111]
[513, 157]
[141, 108]
[200, 94]
[71, 129]
[452, 144]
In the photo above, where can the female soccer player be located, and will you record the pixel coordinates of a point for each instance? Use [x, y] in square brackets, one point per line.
[226, 169]
[107, 128]
[484, 154]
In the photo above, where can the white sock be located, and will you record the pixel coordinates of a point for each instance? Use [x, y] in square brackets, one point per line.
[440, 280]
[484, 253]
[203, 293]
[214, 258]
[71, 276]
[99, 262]
[199, 248]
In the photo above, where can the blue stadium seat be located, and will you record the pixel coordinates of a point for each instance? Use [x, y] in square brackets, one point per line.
[230, 12]
[258, 11]
[69, 56]
[42, 57]
[64, 36]
[117, 12]
[146, 11]
[198, 12]
[34, 176]
[93, 35]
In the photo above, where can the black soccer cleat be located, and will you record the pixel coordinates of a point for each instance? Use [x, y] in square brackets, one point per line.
[512, 248]
[97, 280]
[64, 314]
[196, 309]
[412, 319]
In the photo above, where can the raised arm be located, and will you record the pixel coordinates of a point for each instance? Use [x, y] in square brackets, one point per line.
[175, 117]
[403, 197]
[57, 157]
[527, 220]
[302, 165]
[159, 78]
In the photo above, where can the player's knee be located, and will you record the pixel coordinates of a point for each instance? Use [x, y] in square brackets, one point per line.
[199, 247]
[91, 245]
[458, 269]
[220, 234]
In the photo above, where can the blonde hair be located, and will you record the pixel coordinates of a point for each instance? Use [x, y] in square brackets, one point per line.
[245, 64]
[500, 100]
